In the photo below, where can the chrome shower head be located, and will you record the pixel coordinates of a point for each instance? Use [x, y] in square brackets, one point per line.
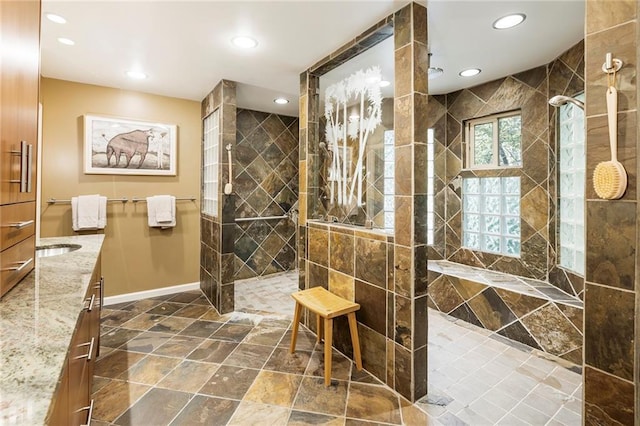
[560, 100]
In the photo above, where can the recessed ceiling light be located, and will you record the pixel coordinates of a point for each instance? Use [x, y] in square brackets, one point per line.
[509, 21]
[281, 101]
[244, 42]
[384, 83]
[136, 75]
[56, 18]
[470, 72]
[66, 41]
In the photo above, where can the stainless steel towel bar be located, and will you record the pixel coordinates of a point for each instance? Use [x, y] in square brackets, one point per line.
[144, 200]
[247, 219]
[110, 200]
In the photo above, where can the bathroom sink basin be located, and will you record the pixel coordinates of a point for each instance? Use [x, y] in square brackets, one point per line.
[56, 249]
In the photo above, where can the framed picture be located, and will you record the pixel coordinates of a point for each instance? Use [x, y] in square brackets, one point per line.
[119, 146]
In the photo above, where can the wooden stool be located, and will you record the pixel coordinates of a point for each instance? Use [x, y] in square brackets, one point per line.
[326, 305]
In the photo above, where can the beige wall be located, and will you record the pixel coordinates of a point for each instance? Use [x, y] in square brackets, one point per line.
[135, 257]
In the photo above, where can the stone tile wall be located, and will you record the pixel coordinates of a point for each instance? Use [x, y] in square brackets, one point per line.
[266, 184]
[528, 311]
[217, 233]
[611, 288]
[528, 92]
[384, 274]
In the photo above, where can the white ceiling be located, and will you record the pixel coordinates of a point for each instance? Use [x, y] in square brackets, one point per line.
[185, 48]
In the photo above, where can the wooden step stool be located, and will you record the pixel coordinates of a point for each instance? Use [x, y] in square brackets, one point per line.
[326, 305]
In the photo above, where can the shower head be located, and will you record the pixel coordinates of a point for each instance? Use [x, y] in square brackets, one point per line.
[560, 100]
[323, 147]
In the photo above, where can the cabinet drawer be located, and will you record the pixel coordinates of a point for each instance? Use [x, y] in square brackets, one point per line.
[81, 358]
[18, 223]
[16, 263]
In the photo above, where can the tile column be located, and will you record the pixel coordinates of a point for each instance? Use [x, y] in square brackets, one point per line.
[217, 233]
[612, 272]
[410, 249]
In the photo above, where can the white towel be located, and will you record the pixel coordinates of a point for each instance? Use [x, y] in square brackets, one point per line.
[88, 212]
[161, 211]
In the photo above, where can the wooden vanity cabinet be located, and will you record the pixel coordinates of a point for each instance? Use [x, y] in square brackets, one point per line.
[72, 404]
[19, 91]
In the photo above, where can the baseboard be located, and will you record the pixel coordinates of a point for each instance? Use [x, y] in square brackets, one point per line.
[131, 297]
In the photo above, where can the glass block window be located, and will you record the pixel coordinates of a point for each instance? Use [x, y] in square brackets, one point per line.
[491, 215]
[572, 186]
[494, 142]
[430, 186]
[211, 161]
[389, 190]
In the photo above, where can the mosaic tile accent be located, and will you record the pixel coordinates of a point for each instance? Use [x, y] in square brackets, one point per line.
[528, 311]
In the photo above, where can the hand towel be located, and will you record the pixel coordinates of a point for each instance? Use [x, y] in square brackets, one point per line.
[102, 212]
[161, 211]
[85, 212]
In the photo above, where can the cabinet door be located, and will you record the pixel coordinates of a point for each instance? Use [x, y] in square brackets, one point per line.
[81, 355]
[94, 300]
[19, 79]
[59, 410]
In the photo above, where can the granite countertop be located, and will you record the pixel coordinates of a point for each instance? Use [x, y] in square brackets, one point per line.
[37, 320]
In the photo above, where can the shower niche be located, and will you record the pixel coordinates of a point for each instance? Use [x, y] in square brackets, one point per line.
[356, 140]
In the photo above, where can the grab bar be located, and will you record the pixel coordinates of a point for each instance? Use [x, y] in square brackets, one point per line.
[246, 219]
[56, 201]
[144, 200]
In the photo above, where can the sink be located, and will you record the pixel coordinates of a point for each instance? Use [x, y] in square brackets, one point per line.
[56, 249]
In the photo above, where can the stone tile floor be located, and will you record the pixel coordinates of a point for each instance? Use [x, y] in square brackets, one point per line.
[174, 360]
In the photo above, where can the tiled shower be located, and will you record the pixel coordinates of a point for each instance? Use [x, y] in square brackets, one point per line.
[251, 231]
[266, 185]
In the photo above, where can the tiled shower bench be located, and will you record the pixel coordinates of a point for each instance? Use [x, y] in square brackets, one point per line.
[528, 311]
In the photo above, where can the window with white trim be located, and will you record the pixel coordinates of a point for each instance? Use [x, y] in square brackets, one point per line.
[211, 146]
[494, 141]
[571, 193]
[491, 215]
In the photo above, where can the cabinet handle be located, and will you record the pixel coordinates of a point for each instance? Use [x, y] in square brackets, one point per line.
[89, 354]
[18, 268]
[20, 225]
[91, 302]
[17, 154]
[89, 415]
[24, 168]
[29, 176]
[101, 291]
[26, 154]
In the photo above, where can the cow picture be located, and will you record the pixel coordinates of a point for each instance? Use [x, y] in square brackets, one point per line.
[119, 146]
[129, 144]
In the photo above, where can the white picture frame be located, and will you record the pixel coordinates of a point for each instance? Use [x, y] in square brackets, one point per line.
[122, 146]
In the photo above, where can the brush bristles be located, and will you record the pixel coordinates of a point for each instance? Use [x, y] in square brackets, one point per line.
[609, 180]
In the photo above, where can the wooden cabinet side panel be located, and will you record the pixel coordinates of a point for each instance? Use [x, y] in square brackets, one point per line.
[19, 79]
